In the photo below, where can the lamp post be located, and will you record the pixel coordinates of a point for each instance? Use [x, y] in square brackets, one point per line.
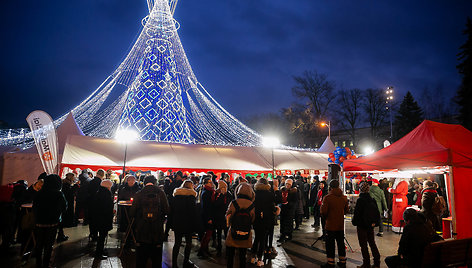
[271, 142]
[125, 136]
[324, 124]
[388, 106]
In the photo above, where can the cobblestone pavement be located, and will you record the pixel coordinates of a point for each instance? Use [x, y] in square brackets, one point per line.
[78, 252]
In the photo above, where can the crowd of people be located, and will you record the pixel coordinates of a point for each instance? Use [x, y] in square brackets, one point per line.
[217, 210]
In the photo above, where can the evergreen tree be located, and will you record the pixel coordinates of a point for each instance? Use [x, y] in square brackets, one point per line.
[409, 116]
[464, 94]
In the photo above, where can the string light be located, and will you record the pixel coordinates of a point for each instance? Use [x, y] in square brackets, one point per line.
[159, 96]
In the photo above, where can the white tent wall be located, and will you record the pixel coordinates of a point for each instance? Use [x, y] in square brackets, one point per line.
[83, 151]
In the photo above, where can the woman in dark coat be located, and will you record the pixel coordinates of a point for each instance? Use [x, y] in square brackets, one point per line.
[69, 189]
[428, 198]
[101, 212]
[184, 211]
[207, 215]
[265, 213]
[83, 196]
[222, 198]
[289, 204]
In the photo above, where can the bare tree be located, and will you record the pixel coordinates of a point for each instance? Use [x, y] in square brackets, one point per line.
[375, 109]
[316, 90]
[349, 110]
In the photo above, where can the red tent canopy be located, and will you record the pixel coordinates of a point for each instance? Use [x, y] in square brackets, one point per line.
[428, 145]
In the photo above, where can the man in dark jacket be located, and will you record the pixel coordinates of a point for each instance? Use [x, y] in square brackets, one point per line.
[101, 213]
[289, 196]
[416, 236]
[149, 210]
[365, 217]
[48, 206]
[83, 197]
[333, 209]
[169, 188]
[93, 187]
[207, 215]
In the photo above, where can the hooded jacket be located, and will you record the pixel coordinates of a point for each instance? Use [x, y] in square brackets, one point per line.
[378, 195]
[333, 209]
[264, 206]
[184, 211]
[244, 197]
[49, 203]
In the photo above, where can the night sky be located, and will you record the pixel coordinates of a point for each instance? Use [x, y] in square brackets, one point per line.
[245, 52]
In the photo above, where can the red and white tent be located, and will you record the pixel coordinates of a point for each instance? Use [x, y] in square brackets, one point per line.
[430, 145]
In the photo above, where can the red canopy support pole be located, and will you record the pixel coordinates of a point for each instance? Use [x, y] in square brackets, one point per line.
[450, 197]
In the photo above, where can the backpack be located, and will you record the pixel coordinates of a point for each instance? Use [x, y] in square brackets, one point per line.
[439, 205]
[150, 209]
[241, 222]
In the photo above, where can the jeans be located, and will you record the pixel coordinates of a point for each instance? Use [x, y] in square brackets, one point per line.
[45, 237]
[149, 251]
[338, 237]
[260, 241]
[242, 257]
[367, 236]
[381, 226]
[176, 248]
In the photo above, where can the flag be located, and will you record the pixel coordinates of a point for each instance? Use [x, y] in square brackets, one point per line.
[44, 134]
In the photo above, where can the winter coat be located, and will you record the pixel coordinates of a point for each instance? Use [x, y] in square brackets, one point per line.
[69, 192]
[378, 195]
[243, 192]
[28, 195]
[427, 201]
[333, 208]
[149, 233]
[126, 192]
[313, 193]
[49, 203]
[220, 206]
[416, 236]
[101, 210]
[184, 211]
[93, 186]
[365, 212]
[207, 206]
[264, 205]
[83, 191]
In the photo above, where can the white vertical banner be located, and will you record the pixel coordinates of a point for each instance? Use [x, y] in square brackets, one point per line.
[44, 134]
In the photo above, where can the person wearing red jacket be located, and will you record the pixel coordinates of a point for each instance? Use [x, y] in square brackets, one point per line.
[399, 203]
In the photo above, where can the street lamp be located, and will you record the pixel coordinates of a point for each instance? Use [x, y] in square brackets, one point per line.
[125, 136]
[388, 106]
[324, 124]
[271, 142]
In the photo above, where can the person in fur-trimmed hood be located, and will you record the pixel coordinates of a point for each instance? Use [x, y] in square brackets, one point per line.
[265, 214]
[244, 199]
[184, 211]
[288, 205]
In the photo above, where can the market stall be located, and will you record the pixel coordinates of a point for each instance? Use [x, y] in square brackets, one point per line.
[430, 147]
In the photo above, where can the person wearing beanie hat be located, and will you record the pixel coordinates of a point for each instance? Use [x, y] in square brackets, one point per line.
[365, 217]
[333, 209]
[101, 216]
[379, 196]
[221, 201]
[149, 209]
[48, 206]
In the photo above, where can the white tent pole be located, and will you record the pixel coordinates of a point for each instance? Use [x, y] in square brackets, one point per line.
[450, 196]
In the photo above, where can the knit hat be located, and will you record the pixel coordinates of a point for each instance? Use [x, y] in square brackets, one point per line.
[107, 184]
[364, 187]
[375, 181]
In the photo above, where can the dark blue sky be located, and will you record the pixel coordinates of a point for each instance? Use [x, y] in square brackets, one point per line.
[245, 52]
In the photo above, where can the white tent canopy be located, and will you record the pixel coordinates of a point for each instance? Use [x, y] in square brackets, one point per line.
[327, 146]
[83, 151]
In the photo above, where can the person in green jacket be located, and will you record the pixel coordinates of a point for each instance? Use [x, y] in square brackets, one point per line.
[378, 195]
